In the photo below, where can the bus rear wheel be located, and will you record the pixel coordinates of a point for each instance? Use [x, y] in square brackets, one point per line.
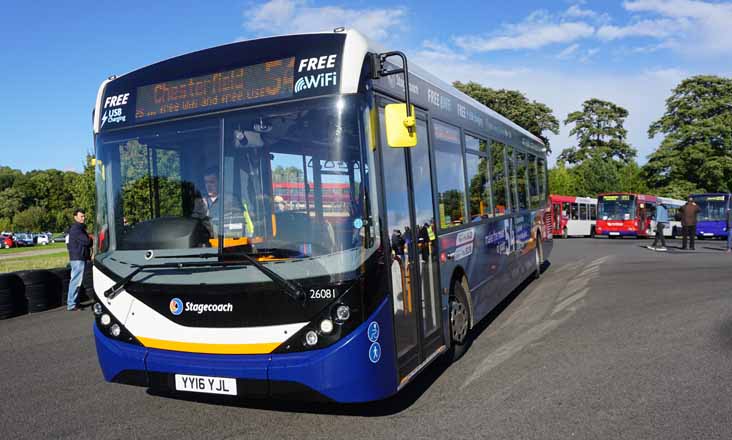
[459, 322]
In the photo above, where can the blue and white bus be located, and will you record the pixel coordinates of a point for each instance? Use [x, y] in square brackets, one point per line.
[260, 235]
[712, 220]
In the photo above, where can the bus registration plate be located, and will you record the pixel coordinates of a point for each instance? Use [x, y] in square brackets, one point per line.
[615, 233]
[205, 384]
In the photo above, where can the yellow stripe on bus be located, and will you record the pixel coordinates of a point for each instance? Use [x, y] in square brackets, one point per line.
[197, 347]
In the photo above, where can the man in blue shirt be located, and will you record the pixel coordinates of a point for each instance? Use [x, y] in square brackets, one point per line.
[79, 245]
[661, 223]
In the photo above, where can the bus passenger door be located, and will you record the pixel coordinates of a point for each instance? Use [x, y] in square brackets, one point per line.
[413, 244]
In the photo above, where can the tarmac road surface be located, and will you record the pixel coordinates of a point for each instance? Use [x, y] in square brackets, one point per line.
[614, 341]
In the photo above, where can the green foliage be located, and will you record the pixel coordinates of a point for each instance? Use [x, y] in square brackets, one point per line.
[562, 181]
[5, 224]
[8, 176]
[533, 116]
[696, 152]
[594, 176]
[600, 134]
[33, 219]
[83, 191]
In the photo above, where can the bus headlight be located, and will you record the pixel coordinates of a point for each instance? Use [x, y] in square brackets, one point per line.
[109, 325]
[326, 326]
[343, 312]
[311, 338]
[328, 323]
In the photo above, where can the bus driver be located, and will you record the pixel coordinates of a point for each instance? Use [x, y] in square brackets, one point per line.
[237, 222]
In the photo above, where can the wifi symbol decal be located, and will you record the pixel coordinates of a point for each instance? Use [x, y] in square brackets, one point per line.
[300, 85]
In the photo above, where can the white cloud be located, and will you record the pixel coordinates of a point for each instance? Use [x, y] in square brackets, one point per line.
[568, 52]
[705, 25]
[298, 16]
[643, 94]
[577, 11]
[662, 28]
[527, 35]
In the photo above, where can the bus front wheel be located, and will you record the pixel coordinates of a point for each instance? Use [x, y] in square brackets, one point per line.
[538, 257]
[459, 322]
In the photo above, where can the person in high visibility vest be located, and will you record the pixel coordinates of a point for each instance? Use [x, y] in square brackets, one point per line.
[237, 220]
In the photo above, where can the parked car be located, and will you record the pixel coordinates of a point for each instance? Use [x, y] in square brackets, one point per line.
[7, 241]
[41, 239]
[59, 238]
[23, 239]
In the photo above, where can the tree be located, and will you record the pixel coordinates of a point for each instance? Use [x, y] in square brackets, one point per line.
[562, 181]
[600, 133]
[696, 152]
[8, 176]
[33, 219]
[533, 116]
[12, 202]
[631, 179]
[83, 191]
[596, 175]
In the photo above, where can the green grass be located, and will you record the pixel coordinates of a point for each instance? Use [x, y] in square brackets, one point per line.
[15, 250]
[48, 261]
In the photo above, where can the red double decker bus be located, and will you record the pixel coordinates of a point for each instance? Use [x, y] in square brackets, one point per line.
[625, 214]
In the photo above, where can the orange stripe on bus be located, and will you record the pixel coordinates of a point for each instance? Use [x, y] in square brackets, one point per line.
[197, 347]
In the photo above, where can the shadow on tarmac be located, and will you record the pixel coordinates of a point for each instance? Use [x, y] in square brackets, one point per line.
[390, 406]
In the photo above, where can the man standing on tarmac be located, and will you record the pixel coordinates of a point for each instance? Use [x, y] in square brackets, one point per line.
[688, 222]
[661, 223]
[79, 246]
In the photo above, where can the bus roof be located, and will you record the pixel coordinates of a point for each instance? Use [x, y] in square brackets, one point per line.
[354, 50]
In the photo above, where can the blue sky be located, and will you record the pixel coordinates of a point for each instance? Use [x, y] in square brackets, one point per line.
[53, 55]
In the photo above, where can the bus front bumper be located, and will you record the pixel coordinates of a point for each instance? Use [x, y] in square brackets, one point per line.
[343, 372]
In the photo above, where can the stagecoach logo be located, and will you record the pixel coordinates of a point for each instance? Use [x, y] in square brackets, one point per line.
[317, 80]
[114, 114]
[177, 307]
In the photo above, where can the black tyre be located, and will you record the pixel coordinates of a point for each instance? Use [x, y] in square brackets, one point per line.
[86, 292]
[64, 276]
[592, 231]
[538, 258]
[12, 300]
[459, 322]
[42, 290]
[674, 232]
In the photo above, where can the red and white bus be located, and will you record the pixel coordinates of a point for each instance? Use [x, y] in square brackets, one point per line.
[573, 216]
[625, 214]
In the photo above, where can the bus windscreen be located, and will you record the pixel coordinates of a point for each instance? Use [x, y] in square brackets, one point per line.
[616, 207]
[263, 82]
[712, 208]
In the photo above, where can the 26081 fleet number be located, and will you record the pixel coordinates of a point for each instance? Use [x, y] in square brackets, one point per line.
[323, 293]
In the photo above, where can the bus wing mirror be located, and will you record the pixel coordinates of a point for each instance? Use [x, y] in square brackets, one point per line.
[400, 129]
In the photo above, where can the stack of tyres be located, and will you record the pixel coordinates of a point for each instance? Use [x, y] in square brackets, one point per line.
[86, 292]
[63, 274]
[42, 289]
[12, 299]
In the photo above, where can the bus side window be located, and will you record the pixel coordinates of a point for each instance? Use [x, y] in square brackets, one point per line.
[565, 209]
[583, 211]
[574, 212]
[593, 212]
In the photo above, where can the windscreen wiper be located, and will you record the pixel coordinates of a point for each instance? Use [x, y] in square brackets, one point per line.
[291, 288]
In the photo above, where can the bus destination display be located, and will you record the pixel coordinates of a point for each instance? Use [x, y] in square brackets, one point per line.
[268, 81]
